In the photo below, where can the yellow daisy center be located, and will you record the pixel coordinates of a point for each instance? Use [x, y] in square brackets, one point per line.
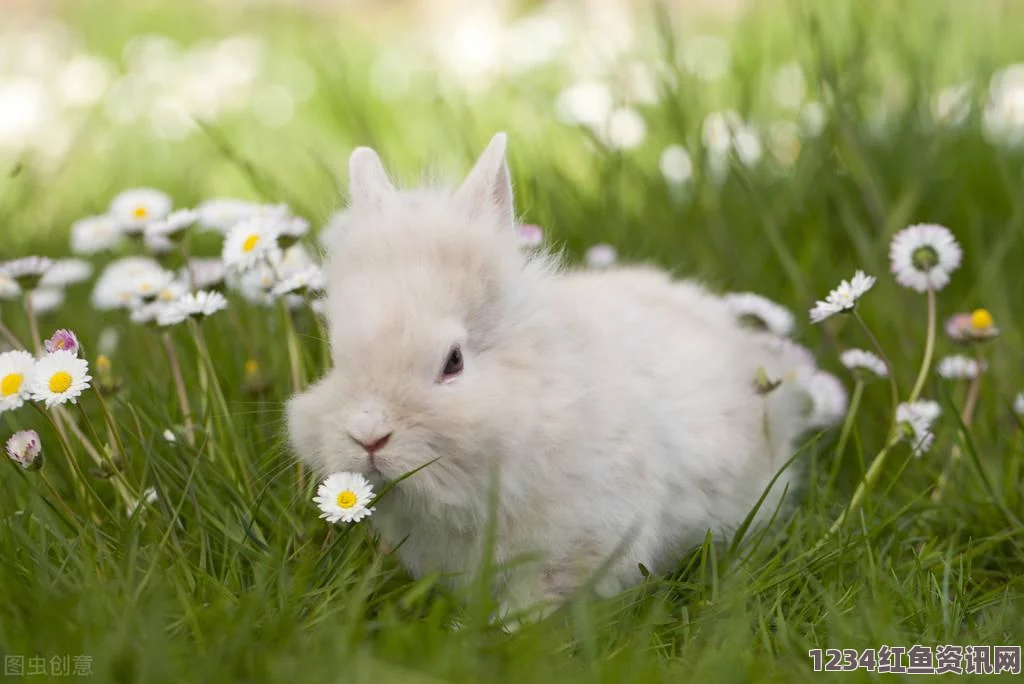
[145, 286]
[347, 499]
[140, 212]
[11, 384]
[981, 319]
[252, 366]
[250, 243]
[60, 382]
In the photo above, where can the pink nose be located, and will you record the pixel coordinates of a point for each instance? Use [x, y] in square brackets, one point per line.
[373, 445]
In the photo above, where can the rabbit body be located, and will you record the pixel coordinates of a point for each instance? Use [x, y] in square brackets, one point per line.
[615, 411]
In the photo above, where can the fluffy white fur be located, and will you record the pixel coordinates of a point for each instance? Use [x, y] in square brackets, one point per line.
[617, 407]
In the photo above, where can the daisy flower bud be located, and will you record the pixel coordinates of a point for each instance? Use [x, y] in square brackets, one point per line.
[916, 419]
[843, 298]
[344, 497]
[923, 256]
[26, 449]
[27, 271]
[62, 339]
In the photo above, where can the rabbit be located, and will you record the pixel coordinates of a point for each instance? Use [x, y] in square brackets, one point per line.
[616, 411]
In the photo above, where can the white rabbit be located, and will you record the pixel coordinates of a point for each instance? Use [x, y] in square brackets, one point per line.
[618, 407]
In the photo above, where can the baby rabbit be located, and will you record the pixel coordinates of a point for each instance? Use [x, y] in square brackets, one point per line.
[617, 408]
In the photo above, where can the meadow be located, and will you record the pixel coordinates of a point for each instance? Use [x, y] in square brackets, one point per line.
[169, 535]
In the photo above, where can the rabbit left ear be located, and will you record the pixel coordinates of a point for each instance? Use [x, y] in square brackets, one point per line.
[368, 182]
[488, 187]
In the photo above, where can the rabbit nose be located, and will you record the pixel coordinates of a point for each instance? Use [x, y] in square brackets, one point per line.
[373, 444]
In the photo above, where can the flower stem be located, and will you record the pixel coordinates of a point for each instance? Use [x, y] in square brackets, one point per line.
[11, 338]
[893, 389]
[929, 350]
[33, 325]
[966, 417]
[76, 471]
[179, 386]
[294, 361]
[844, 434]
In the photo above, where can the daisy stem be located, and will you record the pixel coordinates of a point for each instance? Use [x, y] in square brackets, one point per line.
[115, 471]
[858, 495]
[893, 389]
[929, 350]
[76, 471]
[121, 482]
[33, 325]
[60, 500]
[179, 386]
[844, 434]
[11, 338]
[218, 393]
[966, 416]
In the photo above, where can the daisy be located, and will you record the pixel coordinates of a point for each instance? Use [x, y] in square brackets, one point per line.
[529, 236]
[134, 209]
[256, 284]
[26, 449]
[16, 369]
[1018, 404]
[95, 234]
[149, 286]
[601, 256]
[59, 377]
[344, 497]
[149, 496]
[119, 282]
[62, 339]
[174, 226]
[675, 164]
[250, 242]
[982, 325]
[157, 244]
[198, 305]
[46, 299]
[301, 282]
[142, 314]
[828, 397]
[959, 367]
[923, 256]
[64, 272]
[291, 229]
[27, 271]
[761, 311]
[223, 214]
[843, 298]
[203, 274]
[862, 360]
[916, 419]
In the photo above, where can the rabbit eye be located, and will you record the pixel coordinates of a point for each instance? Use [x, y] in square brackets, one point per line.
[453, 365]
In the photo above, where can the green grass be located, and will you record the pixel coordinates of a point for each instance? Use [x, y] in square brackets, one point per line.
[221, 582]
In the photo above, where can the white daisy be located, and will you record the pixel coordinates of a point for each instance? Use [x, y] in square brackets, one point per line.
[762, 311]
[828, 397]
[300, 282]
[291, 228]
[223, 214]
[26, 449]
[157, 244]
[255, 284]
[149, 496]
[174, 226]
[148, 312]
[64, 272]
[529, 236]
[95, 234]
[16, 369]
[59, 377]
[250, 242]
[344, 497]
[196, 305]
[675, 164]
[46, 299]
[746, 142]
[169, 436]
[959, 367]
[136, 208]
[862, 360]
[8, 288]
[1018, 404]
[203, 273]
[843, 298]
[120, 283]
[27, 271]
[923, 256]
[601, 256]
[916, 419]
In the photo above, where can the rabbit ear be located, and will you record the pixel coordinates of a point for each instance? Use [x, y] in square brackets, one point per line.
[368, 182]
[488, 188]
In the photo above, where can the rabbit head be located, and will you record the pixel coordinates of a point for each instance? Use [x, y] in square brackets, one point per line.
[423, 289]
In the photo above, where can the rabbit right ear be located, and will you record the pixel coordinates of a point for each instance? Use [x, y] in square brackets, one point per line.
[368, 182]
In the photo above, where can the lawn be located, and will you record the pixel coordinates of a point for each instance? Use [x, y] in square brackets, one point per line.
[776, 150]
